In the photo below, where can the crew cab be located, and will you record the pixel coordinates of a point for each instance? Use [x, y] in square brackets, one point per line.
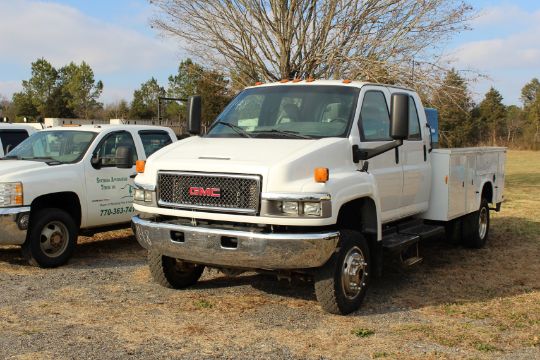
[62, 181]
[12, 135]
[321, 178]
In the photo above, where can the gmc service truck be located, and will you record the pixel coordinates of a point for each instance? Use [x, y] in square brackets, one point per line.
[316, 177]
[66, 180]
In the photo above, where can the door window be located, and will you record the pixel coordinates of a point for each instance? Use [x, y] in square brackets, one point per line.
[154, 140]
[375, 118]
[414, 122]
[12, 138]
[108, 147]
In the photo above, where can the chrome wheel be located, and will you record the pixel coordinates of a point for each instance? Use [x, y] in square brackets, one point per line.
[483, 222]
[54, 239]
[353, 273]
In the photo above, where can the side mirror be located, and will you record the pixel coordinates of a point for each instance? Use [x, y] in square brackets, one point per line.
[95, 161]
[194, 108]
[123, 157]
[399, 116]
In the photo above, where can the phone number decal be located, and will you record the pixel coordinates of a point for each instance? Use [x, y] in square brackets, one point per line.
[116, 211]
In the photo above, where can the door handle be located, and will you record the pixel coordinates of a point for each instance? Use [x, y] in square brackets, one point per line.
[425, 153]
[397, 155]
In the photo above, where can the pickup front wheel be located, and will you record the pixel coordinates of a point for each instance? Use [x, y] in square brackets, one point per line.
[52, 238]
[173, 273]
[341, 284]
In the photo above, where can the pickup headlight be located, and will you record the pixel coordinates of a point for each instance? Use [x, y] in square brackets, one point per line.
[11, 194]
[296, 205]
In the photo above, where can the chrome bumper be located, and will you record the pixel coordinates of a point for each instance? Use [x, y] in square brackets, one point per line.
[10, 225]
[232, 248]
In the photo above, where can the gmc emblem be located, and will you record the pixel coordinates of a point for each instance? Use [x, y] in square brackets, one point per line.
[199, 191]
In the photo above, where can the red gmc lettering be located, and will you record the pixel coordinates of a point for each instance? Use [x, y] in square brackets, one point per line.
[198, 191]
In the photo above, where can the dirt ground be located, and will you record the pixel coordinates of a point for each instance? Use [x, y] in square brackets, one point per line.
[458, 303]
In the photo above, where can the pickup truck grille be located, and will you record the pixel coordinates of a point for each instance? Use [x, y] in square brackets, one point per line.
[209, 192]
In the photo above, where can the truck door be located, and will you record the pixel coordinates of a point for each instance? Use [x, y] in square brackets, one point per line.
[109, 189]
[374, 128]
[416, 166]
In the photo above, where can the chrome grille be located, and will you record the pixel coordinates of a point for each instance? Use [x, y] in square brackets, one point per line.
[237, 193]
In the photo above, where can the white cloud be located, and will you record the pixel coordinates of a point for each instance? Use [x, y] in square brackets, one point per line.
[61, 34]
[507, 49]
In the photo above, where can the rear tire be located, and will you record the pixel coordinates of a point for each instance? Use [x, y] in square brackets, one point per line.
[341, 284]
[52, 238]
[476, 226]
[173, 273]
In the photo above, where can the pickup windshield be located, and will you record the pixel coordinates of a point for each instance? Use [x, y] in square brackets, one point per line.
[295, 112]
[60, 146]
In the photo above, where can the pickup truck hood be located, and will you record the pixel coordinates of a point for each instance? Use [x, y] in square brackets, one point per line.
[13, 170]
[283, 163]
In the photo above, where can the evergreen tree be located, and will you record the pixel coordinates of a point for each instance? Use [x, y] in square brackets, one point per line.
[453, 101]
[40, 87]
[492, 115]
[145, 100]
[530, 96]
[81, 89]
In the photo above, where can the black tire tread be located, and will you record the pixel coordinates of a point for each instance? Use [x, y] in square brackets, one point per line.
[162, 275]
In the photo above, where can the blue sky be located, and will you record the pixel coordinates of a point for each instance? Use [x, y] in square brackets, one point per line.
[115, 38]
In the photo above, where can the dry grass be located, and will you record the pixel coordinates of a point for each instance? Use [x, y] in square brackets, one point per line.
[457, 304]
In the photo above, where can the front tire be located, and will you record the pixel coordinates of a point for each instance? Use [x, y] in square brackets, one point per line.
[173, 273]
[341, 284]
[52, 238]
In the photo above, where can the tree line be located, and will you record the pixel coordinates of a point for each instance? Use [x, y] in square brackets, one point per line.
[462, 122]
[73, 92]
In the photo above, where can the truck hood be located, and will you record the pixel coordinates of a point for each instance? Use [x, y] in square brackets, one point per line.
[283, 163]
[13, 170]
[256, 151]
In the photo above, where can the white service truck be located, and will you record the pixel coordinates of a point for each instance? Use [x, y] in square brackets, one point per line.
[63, 181]
[316, 177]
[12, 135]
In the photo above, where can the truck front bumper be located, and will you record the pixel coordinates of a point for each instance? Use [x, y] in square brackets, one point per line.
[13, 225]
[233, 248]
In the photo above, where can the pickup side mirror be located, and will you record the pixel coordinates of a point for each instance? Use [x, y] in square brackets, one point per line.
[124, 157]
[399, 116]
[96, 161]
[194, 108]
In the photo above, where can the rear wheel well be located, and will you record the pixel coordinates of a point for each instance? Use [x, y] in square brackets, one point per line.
[67, 201]
[487, 192]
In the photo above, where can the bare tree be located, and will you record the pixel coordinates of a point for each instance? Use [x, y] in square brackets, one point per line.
[396, 41]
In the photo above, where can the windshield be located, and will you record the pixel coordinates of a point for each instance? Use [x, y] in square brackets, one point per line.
[299, 111]
[61, 146]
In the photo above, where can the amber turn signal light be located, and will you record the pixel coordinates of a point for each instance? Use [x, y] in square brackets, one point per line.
[139, 166]
[321, 175]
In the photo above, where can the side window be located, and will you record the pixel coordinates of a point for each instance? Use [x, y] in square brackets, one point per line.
[375, 119]
[106, 150]
[414, 122]
[12, 138]
[154, 140]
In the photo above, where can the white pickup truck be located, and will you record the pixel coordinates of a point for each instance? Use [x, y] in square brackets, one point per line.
[12, 135]
[66, 180]
[316, 177]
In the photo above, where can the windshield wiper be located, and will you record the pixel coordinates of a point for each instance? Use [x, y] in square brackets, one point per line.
[47, 159]
[284, 132]
[9, 157]
[236, 128]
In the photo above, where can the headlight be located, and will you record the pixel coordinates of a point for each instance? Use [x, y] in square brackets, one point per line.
[146, 197]
[296, 205]
[312, 208]
[11, 194]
